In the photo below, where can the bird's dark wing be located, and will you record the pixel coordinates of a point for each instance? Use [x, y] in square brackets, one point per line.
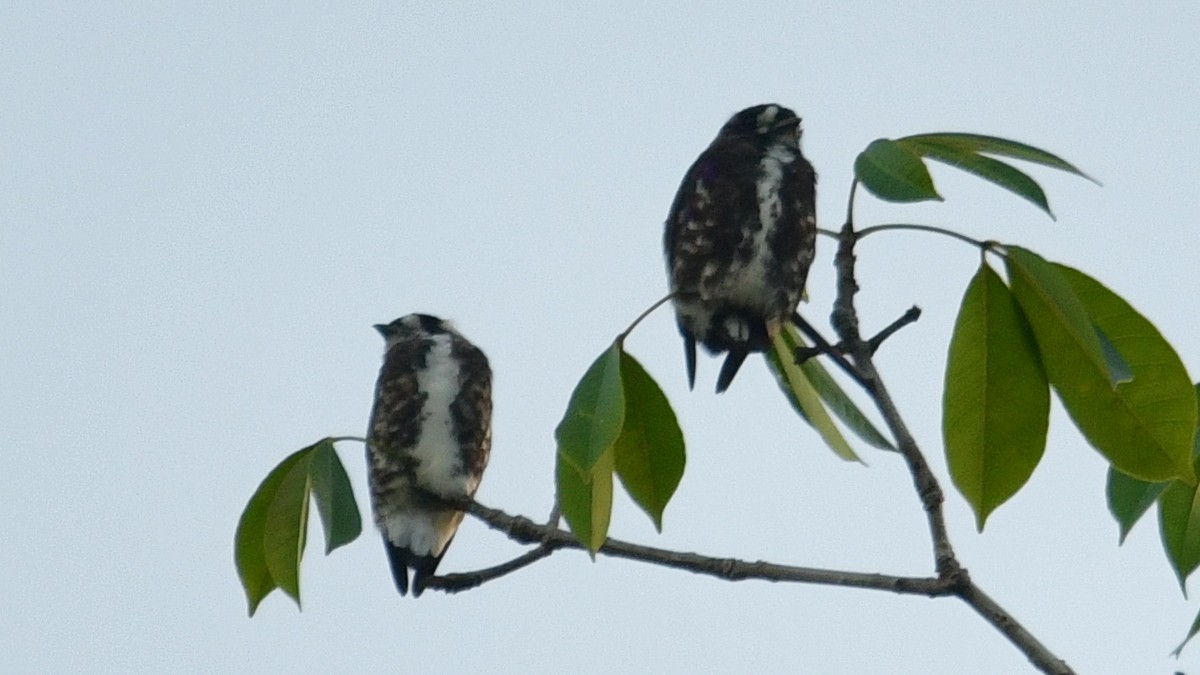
[395, 418]
[797, 240]
[715, 207]
[472, 410]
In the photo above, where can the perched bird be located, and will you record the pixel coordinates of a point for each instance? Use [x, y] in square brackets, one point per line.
[429, 437]
[740, 238]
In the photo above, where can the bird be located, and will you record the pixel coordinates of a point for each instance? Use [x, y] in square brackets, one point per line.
[740, 238]
[428, 440]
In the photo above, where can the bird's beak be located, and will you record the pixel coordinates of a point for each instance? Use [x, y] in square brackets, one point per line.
[382, 328]
[793, 130]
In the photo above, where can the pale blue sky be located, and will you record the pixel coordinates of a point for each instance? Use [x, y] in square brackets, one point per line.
[203, 209]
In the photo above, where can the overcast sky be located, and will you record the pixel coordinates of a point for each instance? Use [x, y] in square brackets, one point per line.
[204, 209]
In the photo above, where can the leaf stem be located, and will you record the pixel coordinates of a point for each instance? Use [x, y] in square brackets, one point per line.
[850, 202]
[923, 228]
[662, 301]
[339, 439]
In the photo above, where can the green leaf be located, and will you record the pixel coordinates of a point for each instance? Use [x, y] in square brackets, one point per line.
[249, 552]
[334, 496]
[273, 529]
[287, 527]
[1131, 494]
[1179, 518]
[803, 397]
[1153, 409]
[586, 499]
[839, 402]
[1145, 426]
[649, 454]
[996, 405]
[595, 414]
[1129, 499]
[963, 157]
[894, 173]
[1054, 311]
[991, 145]
[842, 406]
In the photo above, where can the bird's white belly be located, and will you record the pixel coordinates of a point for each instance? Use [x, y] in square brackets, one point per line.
[422, 531]
[439, 466]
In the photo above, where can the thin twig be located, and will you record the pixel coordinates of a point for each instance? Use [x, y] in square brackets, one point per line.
[908, 317]
[453, 583]
[822, 346]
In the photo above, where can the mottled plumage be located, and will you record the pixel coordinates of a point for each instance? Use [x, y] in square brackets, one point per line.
[740, 238]
[430, 434]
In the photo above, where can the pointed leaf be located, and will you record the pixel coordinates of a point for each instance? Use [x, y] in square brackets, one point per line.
[996, 406]
[1005, 175]
[595, 414]
[1155, 489]
[1049, 302]
[991, 145]
[586, 499]
[287, 528]
[1129, 499]
[249, 552]
[1152, 412]
[894, 173]
[1191, 633]
[1144, 431]
[842, 407]
[1179, 518]
[334, 496]
[839, 402]
[800, 393]
[649, 454]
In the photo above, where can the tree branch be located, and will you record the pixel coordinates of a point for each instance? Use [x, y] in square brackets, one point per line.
[845, 322]
[950, 572]
[550, 538]
[951, 580]
[1034, 650]
[453, 583]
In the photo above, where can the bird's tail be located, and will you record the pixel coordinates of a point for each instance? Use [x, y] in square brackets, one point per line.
[757, 339]
[403, 559]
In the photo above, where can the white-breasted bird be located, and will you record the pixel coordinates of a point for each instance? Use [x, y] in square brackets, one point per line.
[429, 438]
